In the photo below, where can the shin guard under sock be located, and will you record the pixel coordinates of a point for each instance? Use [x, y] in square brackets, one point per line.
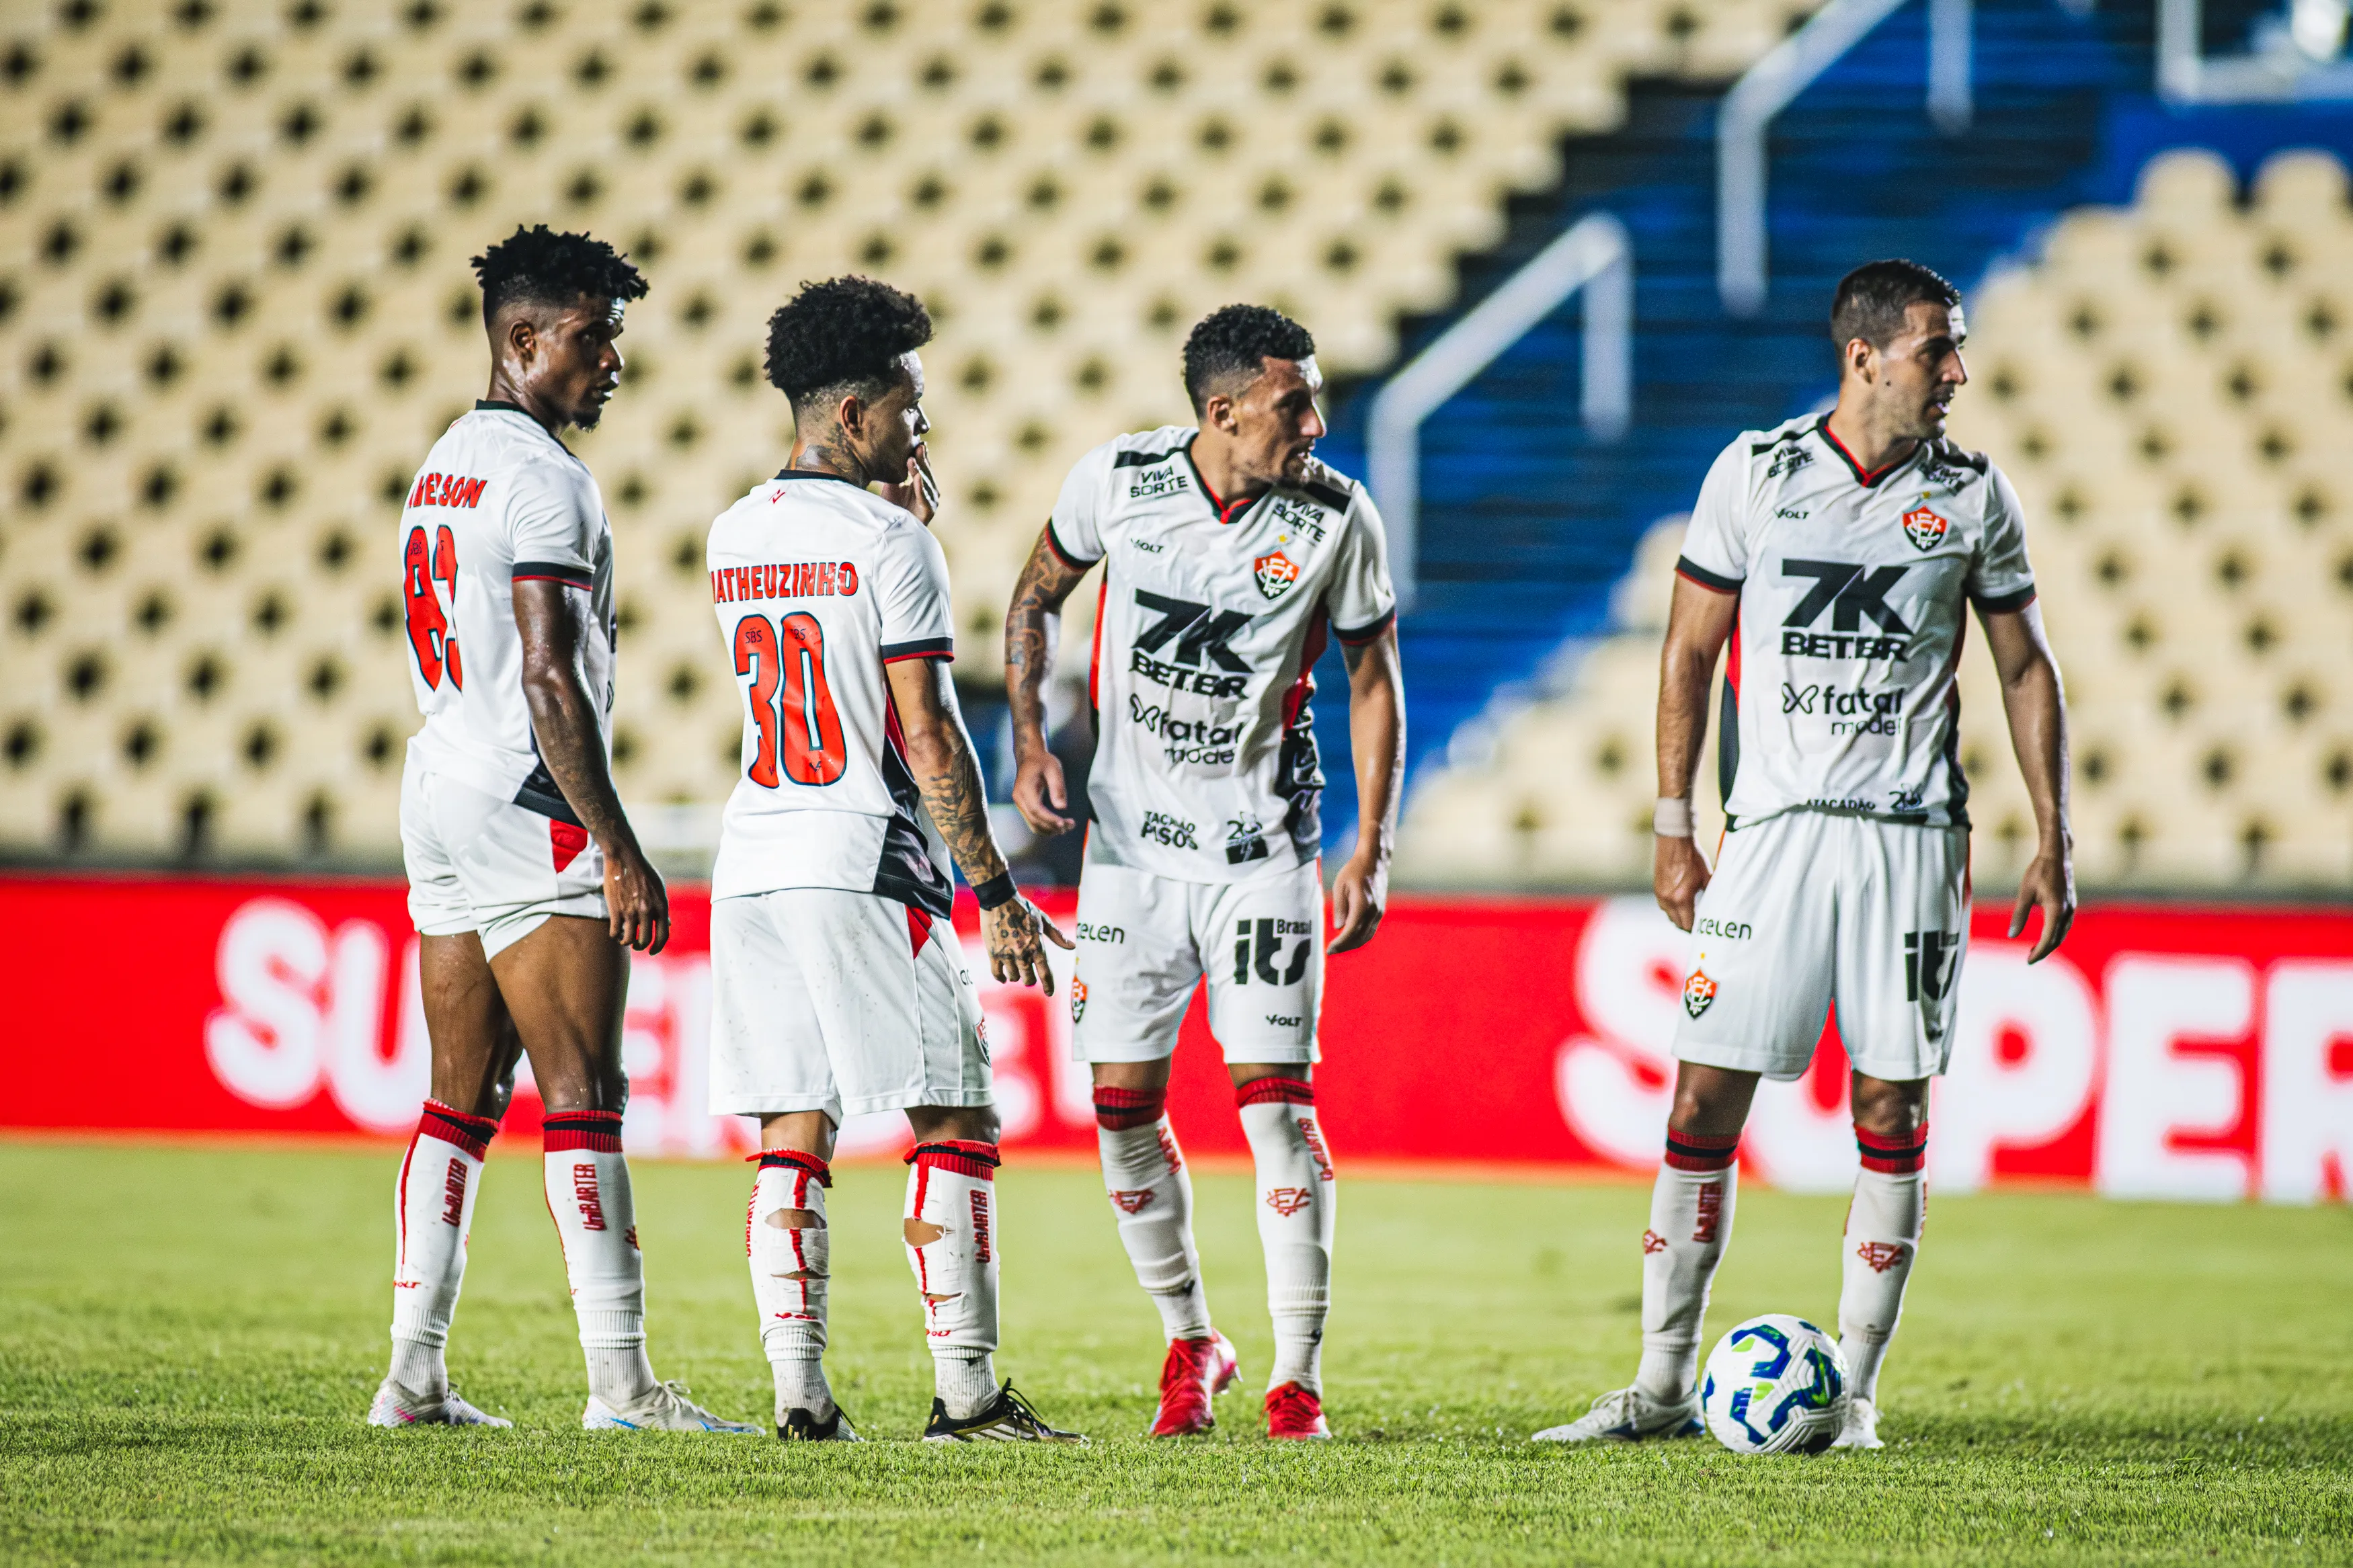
[433, 1209]
[1691, 1219]
[595, 1218]
[1297, 1206]
[1882, 1238]
[791, 1270]
[951, 1236]
[1151, 1196]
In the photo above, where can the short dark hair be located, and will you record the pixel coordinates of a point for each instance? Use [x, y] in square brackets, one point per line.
[536, 266]
[1229, 344]
[1871, 300]
[844, 335]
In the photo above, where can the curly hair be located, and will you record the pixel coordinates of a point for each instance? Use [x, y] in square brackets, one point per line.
[843, 337]
[1229, 343]
[536, 266]
[1871, 300]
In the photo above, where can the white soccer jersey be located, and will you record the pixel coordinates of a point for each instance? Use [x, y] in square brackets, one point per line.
[818, 585]
[499, 501]
[1855, 588]
[1211, 619]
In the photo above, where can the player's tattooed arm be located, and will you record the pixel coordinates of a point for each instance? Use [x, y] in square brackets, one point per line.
[2036, 705]
[1032, 625]
[1699, 620]
[940, 755]
[1376, 736]
[568, 722]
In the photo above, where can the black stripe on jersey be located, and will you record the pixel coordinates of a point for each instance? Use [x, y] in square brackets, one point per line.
[1054, 543]
[811, 474]
[1783, 440]
[2003, 603]
[1686, 568]
[554, 572]
[1323, 494]
[1145, 459]
[500, 405]
[1959, 457]
[1365, 634]
[923, 647]
[541, 794]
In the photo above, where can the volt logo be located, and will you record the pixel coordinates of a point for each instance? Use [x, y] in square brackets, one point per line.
[1849, 592]
[1199, 635]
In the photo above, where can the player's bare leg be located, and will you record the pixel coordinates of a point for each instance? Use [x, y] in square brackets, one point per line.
[1882, 1237]
[565, 985]
[474, 1047]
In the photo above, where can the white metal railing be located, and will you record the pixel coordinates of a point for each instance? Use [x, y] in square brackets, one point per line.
[1596, 255]
[2299, 58]
[1772, 83]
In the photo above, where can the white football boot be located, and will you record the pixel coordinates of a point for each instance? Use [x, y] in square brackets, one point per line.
[663, 1408]
[395, 1406]
[1861, 1429]
[1628, 1416]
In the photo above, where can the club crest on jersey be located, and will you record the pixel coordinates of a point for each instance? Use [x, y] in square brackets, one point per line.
[1275, 573]
[1698, 991]
[1924, 528]
[1078, 999]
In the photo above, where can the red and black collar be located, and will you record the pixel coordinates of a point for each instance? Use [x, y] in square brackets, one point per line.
[1867, 478]
[1227, 512]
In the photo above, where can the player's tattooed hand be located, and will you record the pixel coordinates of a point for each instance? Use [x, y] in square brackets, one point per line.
[1016, 956]
[1678, 875]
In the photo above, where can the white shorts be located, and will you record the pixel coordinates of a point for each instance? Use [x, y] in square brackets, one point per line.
[478, 863]
[823, 999]
[1145, 941]
[1807, 909]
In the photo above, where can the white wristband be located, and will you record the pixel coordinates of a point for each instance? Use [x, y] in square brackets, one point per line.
[1671, 818]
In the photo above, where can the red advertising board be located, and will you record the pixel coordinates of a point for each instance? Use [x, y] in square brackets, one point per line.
[2165, 1051]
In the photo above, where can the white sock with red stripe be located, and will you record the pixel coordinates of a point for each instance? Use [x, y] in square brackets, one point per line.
[1296, 1209]
[433, 1207]
[791, 1268]
[1691, 1219]
[595, 1218]
[951, 1236]
[1882, 1238]
[1152, 1195]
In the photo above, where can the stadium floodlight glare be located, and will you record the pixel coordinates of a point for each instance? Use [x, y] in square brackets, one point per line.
[1596, 255]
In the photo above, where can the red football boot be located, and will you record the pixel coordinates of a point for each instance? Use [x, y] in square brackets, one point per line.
[1195, 1372]
[1294, 1413]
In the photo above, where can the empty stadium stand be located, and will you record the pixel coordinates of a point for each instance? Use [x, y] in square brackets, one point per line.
[234, 310]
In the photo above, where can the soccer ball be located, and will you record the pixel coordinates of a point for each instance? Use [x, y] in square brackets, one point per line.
[1775, 1384]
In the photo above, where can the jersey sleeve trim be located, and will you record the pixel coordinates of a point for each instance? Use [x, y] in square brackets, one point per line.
[2008, 604]
[1685, 567]
[554, 572]
[1054, 543]
[922, 648]
[1358, 636]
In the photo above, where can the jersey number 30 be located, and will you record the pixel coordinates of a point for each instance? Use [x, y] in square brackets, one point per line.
[789, 694]
[428, 627]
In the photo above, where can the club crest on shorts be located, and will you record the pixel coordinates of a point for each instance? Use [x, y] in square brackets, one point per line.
[1924, 528]
[1698, 991]
[1078, 999]
[1275, 573]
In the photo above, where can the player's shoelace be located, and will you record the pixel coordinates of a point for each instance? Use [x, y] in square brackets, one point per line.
[1009, 1418]
[1292, 1409]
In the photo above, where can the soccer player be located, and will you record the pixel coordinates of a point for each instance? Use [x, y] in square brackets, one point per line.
[1841, 553]
[526, 885]
[838, 985]
[1230, 554]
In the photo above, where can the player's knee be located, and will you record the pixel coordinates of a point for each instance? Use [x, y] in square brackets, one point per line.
[1890, 1109]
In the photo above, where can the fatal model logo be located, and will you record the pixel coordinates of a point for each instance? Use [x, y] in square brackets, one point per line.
[1924, 528]
[1698, 991]
[1275, 573]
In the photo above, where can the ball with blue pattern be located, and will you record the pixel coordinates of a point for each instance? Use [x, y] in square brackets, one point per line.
[1775, 1385]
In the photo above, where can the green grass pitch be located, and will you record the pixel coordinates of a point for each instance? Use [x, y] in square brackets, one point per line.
[189, 1337]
